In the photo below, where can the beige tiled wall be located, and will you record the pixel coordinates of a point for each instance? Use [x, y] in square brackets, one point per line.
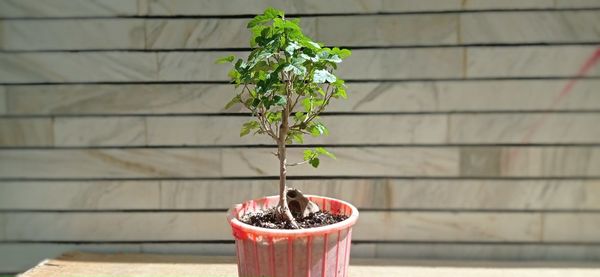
[472, 128]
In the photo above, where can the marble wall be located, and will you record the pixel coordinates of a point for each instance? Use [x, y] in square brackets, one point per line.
[472, 128]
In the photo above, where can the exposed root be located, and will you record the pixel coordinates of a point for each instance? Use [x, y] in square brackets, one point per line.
[294, 205]
[299, 205]
[284, 211]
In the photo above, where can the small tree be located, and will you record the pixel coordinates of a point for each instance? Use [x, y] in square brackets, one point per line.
[286, 82]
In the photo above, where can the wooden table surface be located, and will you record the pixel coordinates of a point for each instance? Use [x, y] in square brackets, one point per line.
[90, 264]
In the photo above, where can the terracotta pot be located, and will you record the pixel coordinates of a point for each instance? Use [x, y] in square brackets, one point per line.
[322, 251]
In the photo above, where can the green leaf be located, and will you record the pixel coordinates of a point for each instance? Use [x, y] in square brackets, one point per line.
[340, 89]
[233, 101]
[292, 46]
[273, 13]
[306, 104]
[314, 162]
[226, 59]
[259, 19]
[314, 131]
[327, 56]
[266, 101]
[342, 53]
[297, 69]
[317, 129]
[341, 92]
[242, 70]
[312, 157]
[322, 151]
[255, 102]
[268, 14]
[234, 75]
[321, 91]
[299, 116]
[309, 44]
[273, 117]
[321, 76]
[308, 154]
[322, 129]
[334, 59]
[267, 40]
[253, 93]
[297, 137]
[289, 27]
[279, 100]
[256, 32]
[317, 102]
[257, 56]
[314, 44]
[249, 126]
[240, 65]
[309, 58]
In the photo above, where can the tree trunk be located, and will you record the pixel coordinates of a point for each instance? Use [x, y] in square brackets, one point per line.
[283, 207]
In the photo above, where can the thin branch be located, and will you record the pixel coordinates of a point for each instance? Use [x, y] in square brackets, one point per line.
[300, 130]
[273, 127]
[260, 115]
[295, 164]
[328, 95]
[295, 103]
[241, 100]
[265, 125]
[263, 122]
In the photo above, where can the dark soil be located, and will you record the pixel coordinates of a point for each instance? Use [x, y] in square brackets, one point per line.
[269, 219]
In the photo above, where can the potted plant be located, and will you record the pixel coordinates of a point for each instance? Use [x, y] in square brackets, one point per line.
[286, 82]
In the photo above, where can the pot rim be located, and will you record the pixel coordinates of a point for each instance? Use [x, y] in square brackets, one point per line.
[260, 231]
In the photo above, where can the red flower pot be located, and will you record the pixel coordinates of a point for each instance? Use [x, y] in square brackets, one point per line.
[321, 251]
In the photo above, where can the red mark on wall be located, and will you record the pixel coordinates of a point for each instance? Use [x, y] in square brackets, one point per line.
[590, 62]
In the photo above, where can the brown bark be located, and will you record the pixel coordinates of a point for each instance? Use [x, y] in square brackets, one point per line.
[283, 207]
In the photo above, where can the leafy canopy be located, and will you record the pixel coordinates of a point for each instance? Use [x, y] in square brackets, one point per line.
[286, 79]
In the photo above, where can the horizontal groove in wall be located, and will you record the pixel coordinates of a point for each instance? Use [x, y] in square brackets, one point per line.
[515, 243]
[498, 78]
[116, 242]
[300, 15]
[365, 47]
[245, 114]
[555, 243]
[302, 177]
[244, 146]
[410, 210]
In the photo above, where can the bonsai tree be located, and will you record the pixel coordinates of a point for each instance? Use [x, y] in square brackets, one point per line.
[286, 82]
